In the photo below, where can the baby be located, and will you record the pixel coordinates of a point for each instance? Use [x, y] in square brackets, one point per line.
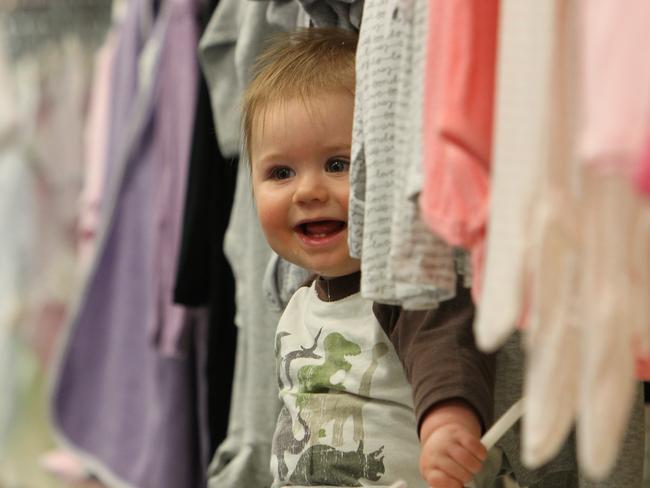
[357, 391]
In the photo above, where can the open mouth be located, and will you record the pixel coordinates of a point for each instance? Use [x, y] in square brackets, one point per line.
[321, 229]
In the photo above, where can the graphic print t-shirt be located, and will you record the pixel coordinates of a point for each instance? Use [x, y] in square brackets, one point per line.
[347, 416]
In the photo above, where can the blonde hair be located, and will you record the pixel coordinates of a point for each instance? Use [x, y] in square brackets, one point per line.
[301, 63]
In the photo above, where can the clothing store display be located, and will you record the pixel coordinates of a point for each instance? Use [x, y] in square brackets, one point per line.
[458, 99]
[380, 140]
[499, 176]
[329, 328]
[157, 435]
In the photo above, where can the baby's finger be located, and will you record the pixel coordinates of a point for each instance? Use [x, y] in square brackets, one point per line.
[473, 445]
[450, 467]
[465, 458]
[438, 479]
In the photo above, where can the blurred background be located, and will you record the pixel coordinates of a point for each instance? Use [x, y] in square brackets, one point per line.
[47, 51]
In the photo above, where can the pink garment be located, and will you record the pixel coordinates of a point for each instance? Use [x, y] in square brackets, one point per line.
[96, 140]
[642, 368]
[615, 123]
[614, 83]
[642, 174]
[458, 100]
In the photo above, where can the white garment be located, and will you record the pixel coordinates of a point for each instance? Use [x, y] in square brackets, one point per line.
[553, 325]
[520, 134]
[420, 271]
[575, 231]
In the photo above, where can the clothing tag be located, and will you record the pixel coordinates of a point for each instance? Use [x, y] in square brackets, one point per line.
[399, 484]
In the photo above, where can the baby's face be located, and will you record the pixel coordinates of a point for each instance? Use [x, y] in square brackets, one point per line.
[300, 157]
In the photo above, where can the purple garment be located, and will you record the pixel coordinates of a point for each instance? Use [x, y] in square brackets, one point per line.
[129, 411]
[178, 80]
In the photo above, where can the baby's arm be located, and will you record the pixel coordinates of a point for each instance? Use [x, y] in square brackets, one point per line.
[451, 451]
[452, 381]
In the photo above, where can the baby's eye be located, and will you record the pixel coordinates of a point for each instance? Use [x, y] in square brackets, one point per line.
[337, 165]
[281, 173]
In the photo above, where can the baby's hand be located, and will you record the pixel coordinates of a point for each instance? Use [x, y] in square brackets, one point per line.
[451, 456]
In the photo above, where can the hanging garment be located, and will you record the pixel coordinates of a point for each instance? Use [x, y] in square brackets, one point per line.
[552, 217]
[409, 260]
[227, 50]
[382, 134]
[606, 309]
[242, 460]
[152, 439]
[457, 127]
[204, 278]
[615, 123]
[562, 470]
[345, 14]
[95, 142]
[642, 175]
[283, 14]
[521, 107]
[614, 97]
[552, 328]
[614, 126]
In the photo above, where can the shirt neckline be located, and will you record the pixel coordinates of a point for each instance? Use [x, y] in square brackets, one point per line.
[338, 288]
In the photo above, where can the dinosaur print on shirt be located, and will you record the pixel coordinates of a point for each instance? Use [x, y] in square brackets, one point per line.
[347, 416]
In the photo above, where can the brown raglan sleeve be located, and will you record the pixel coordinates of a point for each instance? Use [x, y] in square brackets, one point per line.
[439, 355]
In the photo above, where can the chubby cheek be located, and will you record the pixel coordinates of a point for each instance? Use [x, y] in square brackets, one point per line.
[273, 222]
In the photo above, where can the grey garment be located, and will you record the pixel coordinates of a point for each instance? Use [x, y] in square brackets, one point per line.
[283, 14]
[334, 13]
[227, 51]
[562, 471]
[402, 262]
[281, 280]
[242, 460]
